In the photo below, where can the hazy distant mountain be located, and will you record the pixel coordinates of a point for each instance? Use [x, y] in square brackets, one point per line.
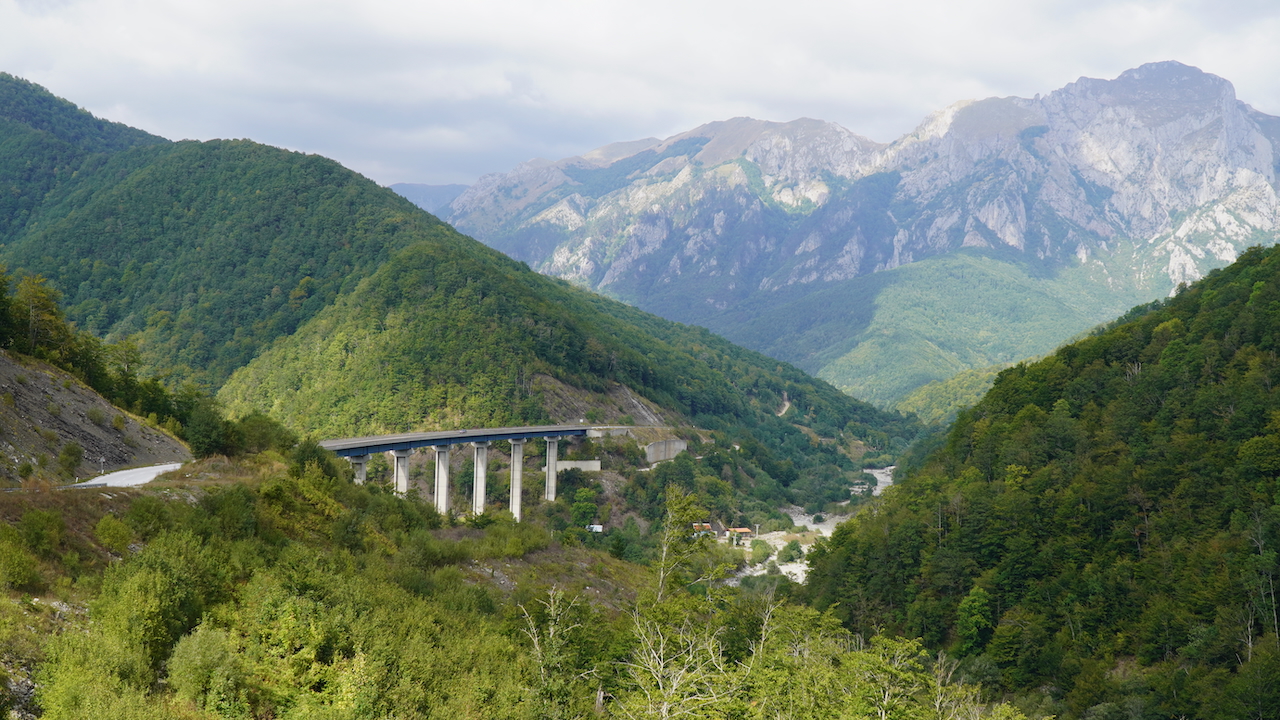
[1101, 194]
[434, 199]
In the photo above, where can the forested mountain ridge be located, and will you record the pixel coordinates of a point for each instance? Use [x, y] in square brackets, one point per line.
[207, 251]
[24, 102]
[1123, 187]
[1101, 529]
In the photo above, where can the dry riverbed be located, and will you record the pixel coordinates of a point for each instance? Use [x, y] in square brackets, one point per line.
[807, 532]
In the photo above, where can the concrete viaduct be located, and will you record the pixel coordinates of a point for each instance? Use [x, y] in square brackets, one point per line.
[358, 450]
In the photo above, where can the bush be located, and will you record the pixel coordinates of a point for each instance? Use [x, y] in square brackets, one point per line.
[309, 452]
[17, 566]
[258, 433]
[96, 416]
[791, 552]
[70, 457]
[204, 670]
[42, 531]
[760, 551]
[207, 433]
[113, 534]
[147, 517]
[118, 423]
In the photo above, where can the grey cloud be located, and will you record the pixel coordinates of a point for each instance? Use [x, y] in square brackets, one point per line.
[421, 93]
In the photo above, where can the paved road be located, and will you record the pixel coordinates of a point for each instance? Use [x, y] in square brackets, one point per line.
[129, 478]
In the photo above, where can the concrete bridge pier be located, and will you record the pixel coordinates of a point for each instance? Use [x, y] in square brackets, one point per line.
[360, 463]
[552, 452]
[402, 470]
[480, 476]
[442, 479]
[517, 476]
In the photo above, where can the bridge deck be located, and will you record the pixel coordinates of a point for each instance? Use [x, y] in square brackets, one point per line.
[347, 447]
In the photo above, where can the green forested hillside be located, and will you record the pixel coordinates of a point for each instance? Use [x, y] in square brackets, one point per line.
[208, 251]
[881, 336]
[205, 253]
[940, 400]
[449, 333]
[39, 110]
[44, 140]
[1101, 530]
[202, 252]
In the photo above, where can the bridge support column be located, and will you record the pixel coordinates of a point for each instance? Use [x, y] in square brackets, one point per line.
[442, 479]
[480, 477]
[360, 463]
[517, 476]
[402, 470]
[552, 452]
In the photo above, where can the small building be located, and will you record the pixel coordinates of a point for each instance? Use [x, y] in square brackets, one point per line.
[595, 528]
[738, 535]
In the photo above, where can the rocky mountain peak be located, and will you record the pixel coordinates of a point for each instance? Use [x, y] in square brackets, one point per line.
[1162, 160]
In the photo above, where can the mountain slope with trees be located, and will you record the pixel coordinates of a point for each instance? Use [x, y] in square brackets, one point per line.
[449, 333]
[193, 258]
[1101, 530]
[208, 251]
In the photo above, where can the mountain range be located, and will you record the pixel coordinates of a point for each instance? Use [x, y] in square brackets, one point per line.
[994, 231]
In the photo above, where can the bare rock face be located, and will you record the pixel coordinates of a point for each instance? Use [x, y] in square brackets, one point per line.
[43, 410]
[1163, 155]
[1156, 177]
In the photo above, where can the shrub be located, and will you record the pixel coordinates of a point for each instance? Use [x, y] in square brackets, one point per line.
[17, 566]
[113, 534]
[760, 551]
[204, 670]
[70, 457]
[147, 516]
[259, 433]
[42, 531]
[790, 552]
[118, 423]
[96, 416]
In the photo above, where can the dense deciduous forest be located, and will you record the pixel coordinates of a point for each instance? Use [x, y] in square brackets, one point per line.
[1101, 530]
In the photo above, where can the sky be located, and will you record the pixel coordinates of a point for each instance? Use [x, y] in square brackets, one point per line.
[444, 92]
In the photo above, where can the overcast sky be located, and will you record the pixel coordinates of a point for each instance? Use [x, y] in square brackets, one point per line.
[443, 92]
